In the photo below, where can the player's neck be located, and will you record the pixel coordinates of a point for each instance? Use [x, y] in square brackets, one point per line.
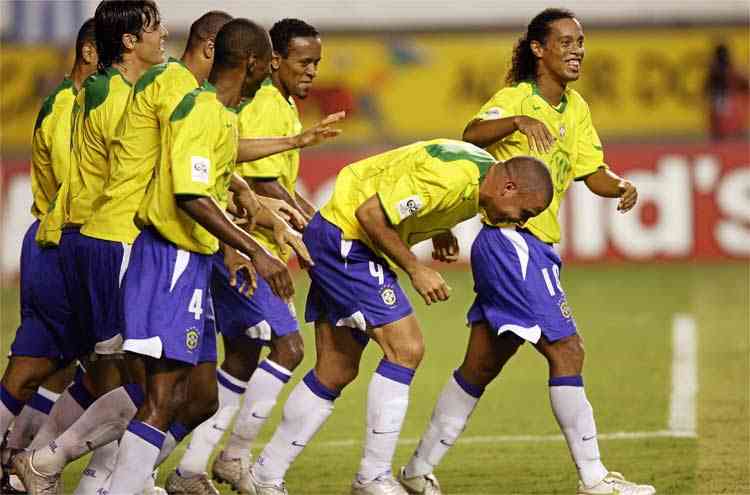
[131, 68]
[79, 73]
[276, 80]
[195, 65]
[229, 87]
[550, 88]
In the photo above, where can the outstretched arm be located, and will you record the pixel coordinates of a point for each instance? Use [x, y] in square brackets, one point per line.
[607, 184]
[427, 282]
[483, 133]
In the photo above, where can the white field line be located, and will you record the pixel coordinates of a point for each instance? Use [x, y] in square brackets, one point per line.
[682, 403]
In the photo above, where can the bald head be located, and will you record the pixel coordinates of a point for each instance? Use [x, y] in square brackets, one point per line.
[530, 175]
[206, 27]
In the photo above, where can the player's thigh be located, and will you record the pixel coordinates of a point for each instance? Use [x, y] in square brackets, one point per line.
[241, 355]
[487, 353]
[338, 354]
[61, 378]
[401, 341]
[24, 374]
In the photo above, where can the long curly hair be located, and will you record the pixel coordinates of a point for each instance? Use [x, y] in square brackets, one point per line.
[523, 66]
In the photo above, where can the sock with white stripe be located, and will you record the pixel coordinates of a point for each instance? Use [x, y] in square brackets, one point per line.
[387, 401]
[10, 407]
[263, 389]
[103, 422]
[68, 408]
[449, 418]
[205, 438]
[139, 449]
[576, 419]
[32, 418]
[307, 408]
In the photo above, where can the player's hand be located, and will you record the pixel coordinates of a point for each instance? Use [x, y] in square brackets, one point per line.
[285, 237]
[445, 247]
[289, 213]
[237, 262]
[275, 273]
[320, 131]
[429, 284]
[248, 206]
[628, 196]
[540, 139]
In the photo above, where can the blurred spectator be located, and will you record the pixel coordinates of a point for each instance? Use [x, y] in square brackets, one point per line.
[727, 91]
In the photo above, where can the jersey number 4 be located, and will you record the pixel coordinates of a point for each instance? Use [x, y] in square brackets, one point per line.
[196, 304]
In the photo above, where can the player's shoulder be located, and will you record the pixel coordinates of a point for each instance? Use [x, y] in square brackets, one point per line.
[202, 98]
[521, 89]
[63, 94]
[576, 101]
[97, 87]
[172, 74]
[466, 156]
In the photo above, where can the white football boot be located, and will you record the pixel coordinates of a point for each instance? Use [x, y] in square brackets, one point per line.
[616, 484]
[194, 485]
[382, 485]
[419, 485]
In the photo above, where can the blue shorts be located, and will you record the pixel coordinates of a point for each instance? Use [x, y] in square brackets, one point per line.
[261, 317]
[46, 328]
[166, 302]
[351, 286]
[93, 270]
[517, 282]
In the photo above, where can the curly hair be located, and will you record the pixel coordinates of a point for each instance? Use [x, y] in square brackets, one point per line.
[523, 66]
[285, 30]
[114, 18]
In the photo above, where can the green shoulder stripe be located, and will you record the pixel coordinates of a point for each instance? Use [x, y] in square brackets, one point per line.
[185, 106]
[49, 102]
[150, 76]
[97, 88]
[451, 152]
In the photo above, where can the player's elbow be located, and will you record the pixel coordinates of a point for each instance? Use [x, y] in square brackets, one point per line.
[470, 133]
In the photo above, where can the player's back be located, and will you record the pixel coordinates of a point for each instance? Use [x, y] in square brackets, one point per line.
[198, 160]
[135, 150]
[50, 146]
[424, 188]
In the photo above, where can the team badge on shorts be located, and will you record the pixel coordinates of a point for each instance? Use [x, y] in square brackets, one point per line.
[564, 308]
[388, 295]
[191, 339]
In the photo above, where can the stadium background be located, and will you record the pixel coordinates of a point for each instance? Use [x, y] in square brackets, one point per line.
[672, 409]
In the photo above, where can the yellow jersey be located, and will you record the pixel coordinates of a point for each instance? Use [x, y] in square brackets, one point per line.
[576, 153]
[200, 148]
[424, 188]
[135, 151]
[269, 114]
[50, 146]
[96, 115]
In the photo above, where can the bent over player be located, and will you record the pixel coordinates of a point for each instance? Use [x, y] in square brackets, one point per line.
[516, 271]
[380, 207]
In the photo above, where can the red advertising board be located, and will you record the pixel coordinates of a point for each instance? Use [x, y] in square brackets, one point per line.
[694, 204]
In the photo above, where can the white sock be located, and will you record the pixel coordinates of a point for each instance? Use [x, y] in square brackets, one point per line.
[103, 422]
[576, 419]
[32, 418]
[263, 389]
[66, 411]
[177, 431]
[209, 433]
[98, 470]
[139, 449]
[387, 402]
[10, 407]
[449, 418]
[305, 411]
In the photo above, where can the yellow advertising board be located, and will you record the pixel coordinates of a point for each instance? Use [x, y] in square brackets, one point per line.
[639, 82]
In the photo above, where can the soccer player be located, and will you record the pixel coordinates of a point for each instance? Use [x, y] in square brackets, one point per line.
[45, 339]
[166, 299]
[516, 271]
[379, 208]
[247, 324]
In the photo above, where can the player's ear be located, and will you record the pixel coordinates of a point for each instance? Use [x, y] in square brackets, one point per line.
[251, 60]
[509, 187]
[208, 49]
[275, 60]
[129, 40]
[536, 48]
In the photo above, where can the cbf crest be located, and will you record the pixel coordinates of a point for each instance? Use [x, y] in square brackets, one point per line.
[388, 295]
[191, 339]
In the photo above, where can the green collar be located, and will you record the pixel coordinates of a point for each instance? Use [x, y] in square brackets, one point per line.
[110, 72]
[563, 101]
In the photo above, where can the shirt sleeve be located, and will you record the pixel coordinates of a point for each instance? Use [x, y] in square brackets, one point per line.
[191, 153]
[259, 119]
[43, 183]
[590, 156]
[503, 104]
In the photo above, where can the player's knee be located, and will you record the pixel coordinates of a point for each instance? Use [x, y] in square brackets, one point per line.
[408, 355]
[288, 351]
[336, 376]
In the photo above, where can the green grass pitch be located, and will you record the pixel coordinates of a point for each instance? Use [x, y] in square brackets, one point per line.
[625, 314]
